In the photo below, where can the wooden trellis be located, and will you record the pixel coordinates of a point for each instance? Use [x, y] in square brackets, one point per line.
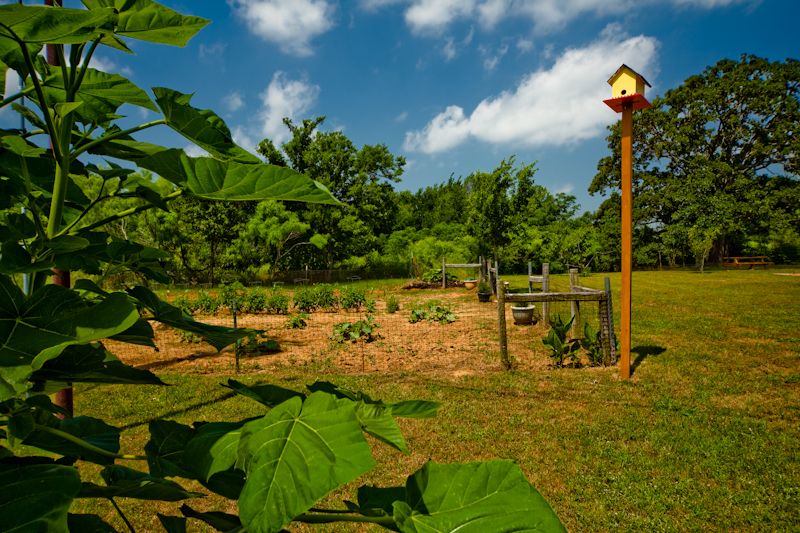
[575, 296]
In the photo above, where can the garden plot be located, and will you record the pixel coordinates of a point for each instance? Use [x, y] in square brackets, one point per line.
[469, 345]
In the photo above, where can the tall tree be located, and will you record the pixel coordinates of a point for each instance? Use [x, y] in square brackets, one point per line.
[707, 154]
[361, 178]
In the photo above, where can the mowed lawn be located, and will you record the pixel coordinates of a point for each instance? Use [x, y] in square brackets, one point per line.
[705, 436]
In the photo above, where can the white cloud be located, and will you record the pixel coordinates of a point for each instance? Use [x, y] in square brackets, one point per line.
[491, 58]
[429, 16]
[244, 139]
[547, 16]
[233, 101]
[565, 188]
[449, 49]
[291, 24]
[284, 98]
[401, 117]
[524, 45]
[555, 106]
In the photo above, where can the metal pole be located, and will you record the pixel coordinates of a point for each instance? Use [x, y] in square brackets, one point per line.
[627, 240]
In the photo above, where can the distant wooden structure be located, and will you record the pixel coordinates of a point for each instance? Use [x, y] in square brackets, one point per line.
[445, 265]
[748, 262]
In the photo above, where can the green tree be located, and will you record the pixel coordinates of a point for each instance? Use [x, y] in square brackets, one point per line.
[707, 153]
[361, 178]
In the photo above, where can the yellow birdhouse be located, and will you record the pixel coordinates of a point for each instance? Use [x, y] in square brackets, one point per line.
[627, 87]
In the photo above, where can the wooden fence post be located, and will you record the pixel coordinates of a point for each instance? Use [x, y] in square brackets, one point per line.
[444, 274]
[575, 305]
[501, 322]
[546, 288]
[612, 337]
[530, 273]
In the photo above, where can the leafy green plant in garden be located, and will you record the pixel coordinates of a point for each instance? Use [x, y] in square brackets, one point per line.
[433, 312]
[593, 345]
[363, 329]
[305, 300]
[207, 304]
[434, 275]
[254, 301]
[298, 321]
[352, 298]
[561, 348]
[257, 343]
[187, 337]
[392, 304]
[274, 467]
[325, 297]
[277, 303]
[233, 295]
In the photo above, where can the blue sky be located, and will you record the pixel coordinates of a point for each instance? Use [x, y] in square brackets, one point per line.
[453, 85]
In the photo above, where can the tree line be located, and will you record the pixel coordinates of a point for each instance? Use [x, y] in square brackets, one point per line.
[715, 174]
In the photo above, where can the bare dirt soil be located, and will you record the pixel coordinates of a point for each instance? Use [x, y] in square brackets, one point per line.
[467, 346]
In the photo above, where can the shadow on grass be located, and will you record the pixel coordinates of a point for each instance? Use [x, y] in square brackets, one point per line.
[181, 411]
[642, 353]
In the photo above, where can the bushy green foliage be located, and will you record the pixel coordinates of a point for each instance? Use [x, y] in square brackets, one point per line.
[325, 297]
[298, 321]
[561, 348]
[254, 301]
[259, 344]
[277, 303]
[433, 312]
[206, 303]
[434, 275]
[305, 299]
[352, 298]
[592, 344]
[363, 329]
[392, 304]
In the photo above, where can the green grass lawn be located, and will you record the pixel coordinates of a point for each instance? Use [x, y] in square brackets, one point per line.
[706, 436]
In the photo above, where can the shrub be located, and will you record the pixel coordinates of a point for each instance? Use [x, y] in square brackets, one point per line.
[277, 303]
[433, 313]
[255, 301]
[298, 321]
[434, 275]
[184, 303]
[354, 331]
[352, 298]
[207, 304]
[325, 297]
[232, 295]
[305, 300]
[392, 305]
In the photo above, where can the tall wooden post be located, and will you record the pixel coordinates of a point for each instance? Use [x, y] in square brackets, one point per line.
[546, 288]
[575, 306]
[627, 90]
[501, 322]
[444, 273]
[627, 240]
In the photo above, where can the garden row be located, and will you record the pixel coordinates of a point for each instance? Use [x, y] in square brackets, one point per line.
[322, 297]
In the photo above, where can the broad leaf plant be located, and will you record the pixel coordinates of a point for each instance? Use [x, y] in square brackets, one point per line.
[276, 466]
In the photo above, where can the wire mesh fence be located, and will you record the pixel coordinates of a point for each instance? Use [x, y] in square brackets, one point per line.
[410, 339]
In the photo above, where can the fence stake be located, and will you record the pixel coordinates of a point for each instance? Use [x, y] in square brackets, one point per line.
[501, 321]
[444, 273]
[546, 288]
[236, 346]
[575, 306]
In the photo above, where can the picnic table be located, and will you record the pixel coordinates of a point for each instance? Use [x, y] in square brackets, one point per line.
[751, 261]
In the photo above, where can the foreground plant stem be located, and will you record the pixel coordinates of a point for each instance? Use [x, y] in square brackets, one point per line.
[122, 515]
[89, 447]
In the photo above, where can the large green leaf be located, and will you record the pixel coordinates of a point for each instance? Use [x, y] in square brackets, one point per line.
[36, 329]
[201, 126]
[36, 497]
[295, 455]
[92, 363]
[269, 395]
[214, 448]
[150, 21]
[38, 24]
[123, 482]
[217, 336]
[92, 430]
[11, 55]
[100, 94]
[473, 497]
[165, 449]
[214, 179]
